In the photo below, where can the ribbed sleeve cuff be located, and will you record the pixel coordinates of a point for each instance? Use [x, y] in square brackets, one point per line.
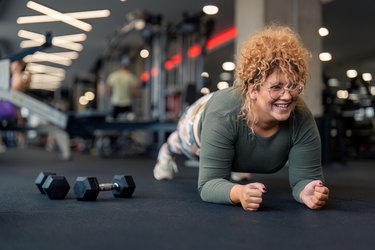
[297, 189]
[217, 191]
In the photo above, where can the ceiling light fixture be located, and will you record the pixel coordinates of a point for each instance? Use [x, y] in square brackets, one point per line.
[59, 16]
[77, 15]
[342, 94]
[351, 73]
[83, 100]
[40, 68]
[46, 78]
[68, 55]
[65, 42]
[205, 91]
[225, 76]
[228, 66]
[222, 85]
[80, 37]
[90, 95]
[325, 57]
[30, 35]
[43, 57]
[323, 31]
[47, 85]
[71, 46]
[205, 74]
[210, 9]
[144, 53]
[367, 77]
[49, 56]
[333, 82]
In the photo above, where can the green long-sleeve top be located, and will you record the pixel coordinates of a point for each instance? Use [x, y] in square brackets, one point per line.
[227, 144]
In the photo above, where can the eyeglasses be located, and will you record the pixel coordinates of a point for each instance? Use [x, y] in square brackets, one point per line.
[278, 90]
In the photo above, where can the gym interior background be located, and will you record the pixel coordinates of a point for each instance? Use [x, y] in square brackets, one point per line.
[178, 52]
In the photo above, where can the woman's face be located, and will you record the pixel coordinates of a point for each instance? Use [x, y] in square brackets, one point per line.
[274, 102]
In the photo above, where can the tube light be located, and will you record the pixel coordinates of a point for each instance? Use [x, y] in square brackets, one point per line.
[77, 15]
[59, 16]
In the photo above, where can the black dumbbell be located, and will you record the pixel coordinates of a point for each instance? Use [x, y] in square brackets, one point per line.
[88, 188]
[54, 186]
[40, 179]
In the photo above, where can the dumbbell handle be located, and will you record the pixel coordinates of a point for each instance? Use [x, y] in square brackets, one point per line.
[108, 186]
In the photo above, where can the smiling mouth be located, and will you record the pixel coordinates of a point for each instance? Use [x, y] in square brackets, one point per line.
[282, 105]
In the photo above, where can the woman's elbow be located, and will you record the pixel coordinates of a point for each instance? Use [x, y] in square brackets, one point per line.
[201, 193]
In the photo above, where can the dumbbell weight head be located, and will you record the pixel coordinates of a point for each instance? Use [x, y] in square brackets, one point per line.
[126, 186]
[86, 188]
[41, 178]
[56, 187]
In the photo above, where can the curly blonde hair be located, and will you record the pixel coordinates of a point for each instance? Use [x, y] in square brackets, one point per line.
[274, 48]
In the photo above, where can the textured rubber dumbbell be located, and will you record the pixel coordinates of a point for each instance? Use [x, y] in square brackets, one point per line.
[88, 188]
[40, 179]
[54, 186]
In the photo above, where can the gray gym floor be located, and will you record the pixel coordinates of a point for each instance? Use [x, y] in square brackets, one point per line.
[170, 214]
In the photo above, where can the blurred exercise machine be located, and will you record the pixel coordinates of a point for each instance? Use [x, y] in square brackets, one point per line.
[68, 125]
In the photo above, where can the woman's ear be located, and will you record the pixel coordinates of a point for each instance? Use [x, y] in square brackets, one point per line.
[252, 92]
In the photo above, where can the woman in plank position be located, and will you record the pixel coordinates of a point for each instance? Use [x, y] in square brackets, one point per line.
[257, 126]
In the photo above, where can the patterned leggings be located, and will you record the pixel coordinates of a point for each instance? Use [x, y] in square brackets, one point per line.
[185, 139]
